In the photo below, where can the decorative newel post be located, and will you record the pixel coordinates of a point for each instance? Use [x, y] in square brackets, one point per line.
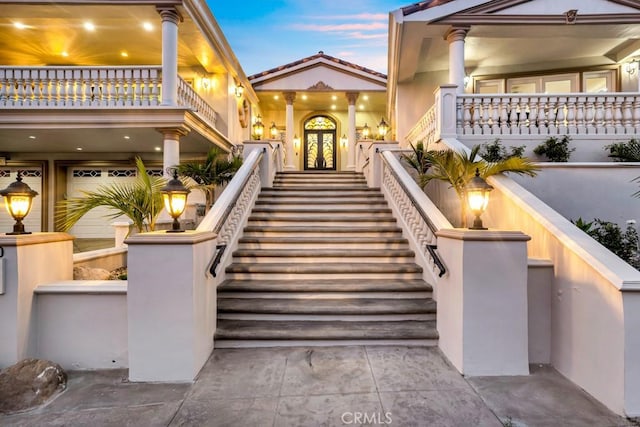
[482, 303]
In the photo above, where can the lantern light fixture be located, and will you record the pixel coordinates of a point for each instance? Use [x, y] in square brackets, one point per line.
[383, 128]
[239, 90]
[365, 131]
[296, 144]
[258, 128]
[18, 201]
[273, 130]
[478, 198]
[174, 195]
[344, 141]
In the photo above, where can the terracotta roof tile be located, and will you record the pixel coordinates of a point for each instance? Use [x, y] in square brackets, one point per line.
[318, 55]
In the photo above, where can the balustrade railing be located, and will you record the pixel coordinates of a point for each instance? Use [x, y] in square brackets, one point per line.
[97, 87]
[187, 97]
[418, 215]
[425, 129]
[227, 215]
[80, 87]
[574, 113]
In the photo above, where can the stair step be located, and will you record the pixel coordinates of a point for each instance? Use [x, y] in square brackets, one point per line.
[311, 199]
[320, 191]
[317, 242]
[322, 197]
[327, 306]
[339, 230]
[322, 255]
[327, 268]
[271, 220]
[322, 331]
[320, 286]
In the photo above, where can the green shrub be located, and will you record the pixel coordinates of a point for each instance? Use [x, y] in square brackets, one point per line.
[622, 243]
[496, 152]
[555, 150]
[624, 151]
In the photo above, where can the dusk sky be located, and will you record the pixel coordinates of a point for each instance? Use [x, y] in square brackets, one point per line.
[268, 33]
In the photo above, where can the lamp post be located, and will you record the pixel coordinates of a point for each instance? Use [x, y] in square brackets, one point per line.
[383, 128]
[258, 128]
[478, 198]
[174, 195]
[18, 200]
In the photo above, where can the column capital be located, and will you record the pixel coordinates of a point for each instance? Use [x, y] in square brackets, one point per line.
[455, 34]
[170, 14]
[352, 97]
[174, 133]
[289, 97]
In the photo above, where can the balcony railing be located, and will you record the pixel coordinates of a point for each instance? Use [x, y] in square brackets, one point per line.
[93, 87]
[544, 114]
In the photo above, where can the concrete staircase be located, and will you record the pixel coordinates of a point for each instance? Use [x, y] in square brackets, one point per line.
[323, 262]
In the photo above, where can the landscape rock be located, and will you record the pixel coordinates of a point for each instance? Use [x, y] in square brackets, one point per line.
[29, 384]
[87, 273]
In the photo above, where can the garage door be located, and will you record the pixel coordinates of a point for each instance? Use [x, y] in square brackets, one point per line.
[33, 178]
[95, 224]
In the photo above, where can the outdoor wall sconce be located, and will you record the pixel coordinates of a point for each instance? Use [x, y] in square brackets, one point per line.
[296, 144]
[478, 198]
[258, 128]
[206, 82]
[344, 141]
[383, 128]
[631, 67]
[273, 130]
[365, 132]
[18, 200]
[239, 90]
[174, 195]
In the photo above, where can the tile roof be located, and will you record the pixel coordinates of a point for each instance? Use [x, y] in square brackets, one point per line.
[318, 55]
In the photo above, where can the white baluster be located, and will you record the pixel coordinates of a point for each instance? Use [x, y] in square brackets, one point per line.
[561, 109]
[495, 115]
[504, 115]
[533, 115]
[590, 115]
[617, 115]
[580, 124]
[523, 116]
[627, 114]
[475, 116]
[608, 115]
[467, 116]
[552, 112]
[636, 114]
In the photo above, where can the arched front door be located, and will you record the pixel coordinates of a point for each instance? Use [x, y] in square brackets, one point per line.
[320, 143]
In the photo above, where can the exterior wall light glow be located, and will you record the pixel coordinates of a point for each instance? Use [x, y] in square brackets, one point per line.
[365, 132]
[258, 128]
[344, 141]
[18, 200]
[478, 198]
[383, 128]
[296, 144]
[174, 195]
[273, 130]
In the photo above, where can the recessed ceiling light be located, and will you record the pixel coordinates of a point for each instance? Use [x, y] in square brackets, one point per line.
[147, 26]
[304, 97]
[65, 54]
[19, 25]
[32, 137]
[127, 137]
[361, 106]
[78, 148]
[157, 148]
[89, 26]
[366, 97]
[333, 97]
[276, 97]
[333, 107]
[124, 54]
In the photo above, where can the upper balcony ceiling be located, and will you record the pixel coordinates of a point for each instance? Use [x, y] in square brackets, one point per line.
[64, 34]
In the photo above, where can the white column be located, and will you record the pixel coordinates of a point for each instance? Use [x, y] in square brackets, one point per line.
[290, 97]
[170, 19]
[352, 98]
[171, 148]
[455, 37]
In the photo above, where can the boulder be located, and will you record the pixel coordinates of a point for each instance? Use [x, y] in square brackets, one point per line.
[30, 383]
[88, 273]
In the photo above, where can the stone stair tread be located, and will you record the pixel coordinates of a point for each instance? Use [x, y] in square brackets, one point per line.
[357, 219]
[346, 253]
[320, 209]
[324, 268]
[319, 285]
[323, 229]
[326, 306]
[327, 330]
[323, 239]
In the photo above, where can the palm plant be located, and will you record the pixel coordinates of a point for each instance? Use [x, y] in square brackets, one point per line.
[459, 167]
[419, 159]
[140, 201]
[216, 170]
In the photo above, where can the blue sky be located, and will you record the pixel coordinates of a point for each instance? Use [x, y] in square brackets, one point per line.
[268, 33]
